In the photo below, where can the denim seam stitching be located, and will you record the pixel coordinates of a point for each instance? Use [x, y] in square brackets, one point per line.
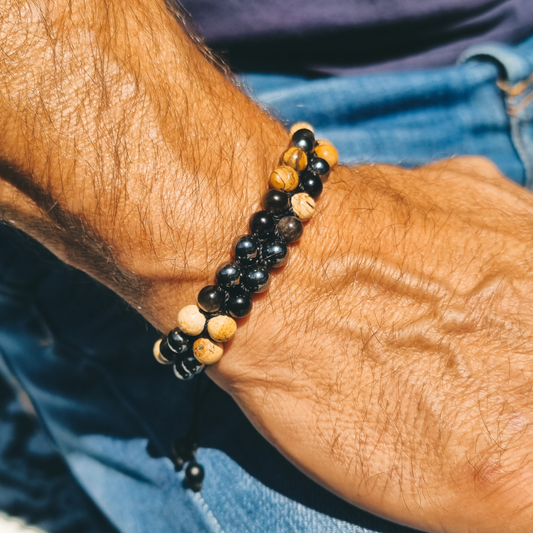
[208, 512]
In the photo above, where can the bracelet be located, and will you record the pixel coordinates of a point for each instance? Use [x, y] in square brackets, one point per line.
[202, 329]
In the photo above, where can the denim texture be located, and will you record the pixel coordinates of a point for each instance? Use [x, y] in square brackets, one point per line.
[83, 356]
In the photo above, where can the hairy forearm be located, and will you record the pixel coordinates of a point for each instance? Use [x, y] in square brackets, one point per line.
[115, 125]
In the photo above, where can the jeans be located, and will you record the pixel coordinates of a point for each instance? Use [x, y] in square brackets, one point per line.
[84, 357]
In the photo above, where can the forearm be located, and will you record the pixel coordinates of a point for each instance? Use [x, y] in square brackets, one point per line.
[135, 148]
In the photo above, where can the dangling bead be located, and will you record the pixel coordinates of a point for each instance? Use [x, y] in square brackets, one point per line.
[210, 299]
[325, 150]
[300, 126]
[290, 228]
[207, 351]
[195, 475]
[284, 178]
[191, 321]
[294, 158]
[303, 206]
[221, 328]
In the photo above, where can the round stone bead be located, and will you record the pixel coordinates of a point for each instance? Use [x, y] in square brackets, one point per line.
[191, 321]
[290, 228]
[159, 357]
[294, 158]
[312, 185]
[221, 328]
[276, 201]
[187, 367]
[210, 299]
[206, 351]
[239, 304]
[304, 139]
[256, 279]
[275, 253]
[320, 167]
[325, 150]
[284, 178]
[262, 224]
[245, 250]
[228, 275]
[178, 342]
[303, 206]
[300, 126]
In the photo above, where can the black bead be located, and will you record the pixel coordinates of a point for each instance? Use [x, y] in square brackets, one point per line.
[188, 364]
[304, 139]
[274, 253]
[256, 279]
[166, 351]
[239, 304]
[210, 299]
[228, 275]
[276, 201]
[182, 373]
[195, 475]
[179, 342]
[184, 448]
[262, 224]
[319, 166]
[312, 184]
[290, 228]
[245, 250]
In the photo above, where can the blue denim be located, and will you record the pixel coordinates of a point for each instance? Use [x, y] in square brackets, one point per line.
[83, 356]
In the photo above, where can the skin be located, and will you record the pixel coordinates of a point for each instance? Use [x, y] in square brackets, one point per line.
[391, 360]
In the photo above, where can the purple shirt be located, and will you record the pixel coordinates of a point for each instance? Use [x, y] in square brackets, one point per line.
[317, 37]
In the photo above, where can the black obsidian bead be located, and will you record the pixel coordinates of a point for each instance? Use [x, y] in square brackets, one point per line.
[304, 139]
[276, 201]
[245, 250]
[290, 228]
[274, 253]
[167, 353]
[228, 275]
[179, 342]
[312, 184]
[195, 475]
[256, 279]
[262, 224]
[319, 166]
[239, 304]
[187, 366]
[211, 299]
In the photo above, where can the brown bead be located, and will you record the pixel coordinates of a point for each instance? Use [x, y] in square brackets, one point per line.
[327, 151]
[303, 206]
[300, 126]
[207, 351]
[157, 353]
[284, 178]
[221, 328]
[191, 321]
[294, 158]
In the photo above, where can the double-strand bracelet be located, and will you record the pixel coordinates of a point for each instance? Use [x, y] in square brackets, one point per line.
[203, 329]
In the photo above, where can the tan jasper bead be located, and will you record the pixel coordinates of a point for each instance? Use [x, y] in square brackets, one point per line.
[221, 328]
[300, 126]
[285, 178]
[294, 158]
[303, 206]
[327, 151]
[157, 354]
[191, 321]
[207, 351]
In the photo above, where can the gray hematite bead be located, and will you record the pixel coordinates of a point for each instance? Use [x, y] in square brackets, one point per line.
[290, 228]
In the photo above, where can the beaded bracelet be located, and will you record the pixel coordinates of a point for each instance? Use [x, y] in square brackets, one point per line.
[202, 329]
